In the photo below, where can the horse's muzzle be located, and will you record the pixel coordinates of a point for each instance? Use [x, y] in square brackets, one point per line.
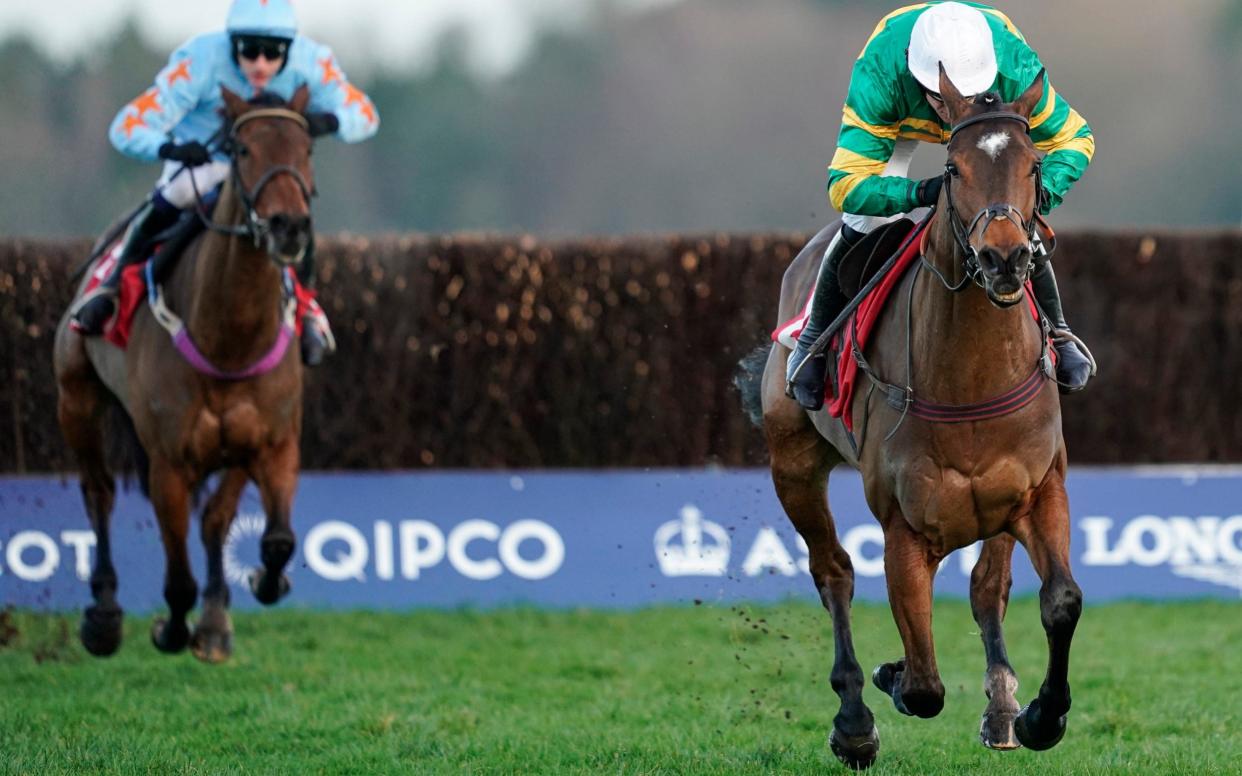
[288, 237]
[1005, 276]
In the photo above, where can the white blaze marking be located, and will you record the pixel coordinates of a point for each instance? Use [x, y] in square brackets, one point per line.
[993, 144]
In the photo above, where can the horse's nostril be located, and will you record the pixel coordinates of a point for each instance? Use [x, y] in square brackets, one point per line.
[991, 261]
[283, 223]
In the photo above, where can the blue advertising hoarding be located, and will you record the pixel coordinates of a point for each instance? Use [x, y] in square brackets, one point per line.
[604, 538]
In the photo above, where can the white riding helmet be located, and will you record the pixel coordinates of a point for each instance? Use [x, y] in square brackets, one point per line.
[958, 36]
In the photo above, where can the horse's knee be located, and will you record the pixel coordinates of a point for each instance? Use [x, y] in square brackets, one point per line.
[276, 548]
[1060, 606]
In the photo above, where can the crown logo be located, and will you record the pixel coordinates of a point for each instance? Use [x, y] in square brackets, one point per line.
[693, 555]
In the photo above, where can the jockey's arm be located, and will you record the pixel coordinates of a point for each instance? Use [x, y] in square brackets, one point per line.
[869, 127]
[1061, 134]
[331, 92]
[145, 123]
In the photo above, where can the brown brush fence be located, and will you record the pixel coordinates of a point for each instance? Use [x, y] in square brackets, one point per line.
[477, 351]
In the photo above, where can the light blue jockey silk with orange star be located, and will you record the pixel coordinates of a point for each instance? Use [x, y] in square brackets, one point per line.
[185, 104]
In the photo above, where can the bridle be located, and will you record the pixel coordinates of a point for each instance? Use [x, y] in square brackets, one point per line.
[1002, 211]
[255, 227]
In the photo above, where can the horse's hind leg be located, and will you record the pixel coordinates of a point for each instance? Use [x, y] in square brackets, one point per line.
[170, 496]
[1045, 534]
[989, 597]
[909, 568]
[81, 409]
[212, 641]
[276, 472]
[801, 461]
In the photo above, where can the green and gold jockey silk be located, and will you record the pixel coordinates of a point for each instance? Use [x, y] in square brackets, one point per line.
[886, 104]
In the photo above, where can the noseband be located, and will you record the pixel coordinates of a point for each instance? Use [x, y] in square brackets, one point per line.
[1002, 211]
[256, 227]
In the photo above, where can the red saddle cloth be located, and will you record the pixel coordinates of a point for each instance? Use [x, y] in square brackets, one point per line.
[840, 397]
[133, 292]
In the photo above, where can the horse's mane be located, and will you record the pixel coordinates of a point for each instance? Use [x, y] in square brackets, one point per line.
[991, 101]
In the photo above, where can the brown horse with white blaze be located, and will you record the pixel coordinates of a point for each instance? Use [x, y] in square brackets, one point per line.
[225, 395]
[938, 486]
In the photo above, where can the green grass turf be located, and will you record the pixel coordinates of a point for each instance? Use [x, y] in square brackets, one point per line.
[704, 690]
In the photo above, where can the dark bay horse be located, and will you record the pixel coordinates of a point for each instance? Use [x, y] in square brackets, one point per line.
[937, 486]
[237, 410]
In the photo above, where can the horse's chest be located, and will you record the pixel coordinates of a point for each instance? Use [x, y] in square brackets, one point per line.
[229, 426]
[955, 507]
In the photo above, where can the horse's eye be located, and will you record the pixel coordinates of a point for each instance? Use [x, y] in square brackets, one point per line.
[952, 169]
[242, 150]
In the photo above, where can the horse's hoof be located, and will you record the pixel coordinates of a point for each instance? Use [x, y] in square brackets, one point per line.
[888, 675]
[857, 752]
[168, 637]
[996, 731]
[264, 591]
[211, 646]
[1029, 727]
[100, 630]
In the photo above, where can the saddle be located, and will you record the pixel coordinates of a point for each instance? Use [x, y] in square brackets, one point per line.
[856, 272]
[862, 261]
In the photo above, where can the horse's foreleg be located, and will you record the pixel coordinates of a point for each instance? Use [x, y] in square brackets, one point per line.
[276, 472]
[801, 461]
[212, 641]
[989, 597]
[170, 496]
[909, 567]
[80, 410]
[1045, 534]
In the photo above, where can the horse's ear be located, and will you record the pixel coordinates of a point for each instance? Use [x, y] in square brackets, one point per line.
[234, 105]
[955, 104]
[1025, 104]
[300, 99]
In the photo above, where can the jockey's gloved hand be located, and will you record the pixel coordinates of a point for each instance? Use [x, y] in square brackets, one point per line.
[191, 154]
[320, 124]
[928, 191]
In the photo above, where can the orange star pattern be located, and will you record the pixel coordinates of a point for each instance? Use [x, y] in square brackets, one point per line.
[354, 96]
[146, 101]
[330, 73]
[181, 73]
[132, 122]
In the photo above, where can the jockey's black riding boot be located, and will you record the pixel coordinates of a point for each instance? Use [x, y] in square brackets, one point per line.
[165, 259]
[316, 336]
[805, 376]
[95, 310]
[1074, 368]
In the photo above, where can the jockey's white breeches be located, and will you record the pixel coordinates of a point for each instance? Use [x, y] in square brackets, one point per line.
[177, 187]
[898, 165]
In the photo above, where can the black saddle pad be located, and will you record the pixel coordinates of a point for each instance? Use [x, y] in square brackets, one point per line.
[865, 259]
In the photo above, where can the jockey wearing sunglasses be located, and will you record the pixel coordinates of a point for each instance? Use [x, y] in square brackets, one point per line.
[258, 52]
